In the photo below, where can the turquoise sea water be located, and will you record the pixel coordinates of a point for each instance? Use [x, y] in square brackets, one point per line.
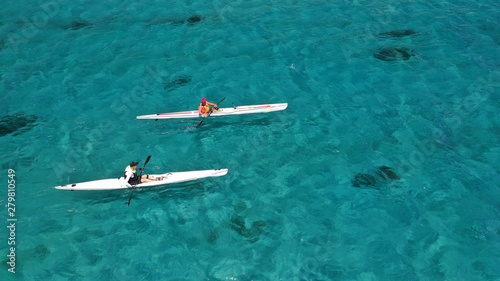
[287, 210]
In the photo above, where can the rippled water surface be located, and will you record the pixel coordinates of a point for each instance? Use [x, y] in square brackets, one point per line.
[384, 166]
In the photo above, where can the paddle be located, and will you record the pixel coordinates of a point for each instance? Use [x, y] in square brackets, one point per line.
[199, 124]
[140, 175]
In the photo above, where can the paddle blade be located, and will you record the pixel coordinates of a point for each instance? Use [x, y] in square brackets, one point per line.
[130, 198]
[147, 160]
[221, 100]
[199, 124]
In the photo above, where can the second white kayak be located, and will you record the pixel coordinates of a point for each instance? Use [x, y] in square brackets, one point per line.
[248, 109]
[168, 178]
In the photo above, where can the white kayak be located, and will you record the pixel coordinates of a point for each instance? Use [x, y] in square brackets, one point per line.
[248, 109]
[168, 178]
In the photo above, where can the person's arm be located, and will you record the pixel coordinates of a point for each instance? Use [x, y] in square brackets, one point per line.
[200, 110]
[214, 105]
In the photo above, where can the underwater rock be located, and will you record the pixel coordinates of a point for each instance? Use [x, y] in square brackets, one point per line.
[17, 124]
[177, 82]
[38, 253]
[382, 175]
[194, 19]
[252, 233]
[191, 20]
[387, 173]
[362, 180]
[75, 25]
[399, 33]
[393, 54]
[211, 238]
[41, 251]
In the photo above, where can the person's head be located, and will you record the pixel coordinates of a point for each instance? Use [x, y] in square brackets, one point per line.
[203, 101]
[134, 164]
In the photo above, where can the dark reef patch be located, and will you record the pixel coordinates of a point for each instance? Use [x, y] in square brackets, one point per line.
[76, 25]
[190, 21]
[41, 251]
[362, 179]
[212, 237]
[194, 19]
[177, 82]
[387, 173]
[382, 175]
[17, 123]
[397, 33]
[393, 53]
[252, 233]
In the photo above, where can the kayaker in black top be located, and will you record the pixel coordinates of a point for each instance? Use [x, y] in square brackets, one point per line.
[132, 178]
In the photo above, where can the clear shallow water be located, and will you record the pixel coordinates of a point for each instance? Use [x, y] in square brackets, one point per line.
[287, 209]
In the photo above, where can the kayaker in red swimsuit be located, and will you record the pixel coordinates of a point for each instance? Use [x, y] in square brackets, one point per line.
[204, 107]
